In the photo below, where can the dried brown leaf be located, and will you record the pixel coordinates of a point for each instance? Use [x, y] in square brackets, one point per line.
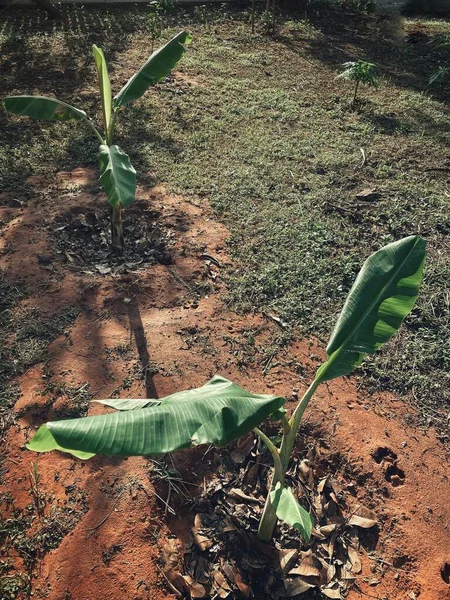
[363, 517]
[200, 539]
[242, 586]
[196, 589]
[295, 587]
[287, 557]
[238, 494]
[355, 561]
[219, 578]
[331, 592]
[242, 450]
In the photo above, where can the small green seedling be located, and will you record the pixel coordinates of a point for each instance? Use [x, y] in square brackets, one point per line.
[439, 76]
[154, 21]
[117, 175]
[360, 71]
[219, 412]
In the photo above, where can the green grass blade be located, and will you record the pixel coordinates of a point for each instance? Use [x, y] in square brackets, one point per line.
[40, 107]
[381, 297]
[216, 413]
[156, 68]
[289, 510]
[117, 175]
[105, 86]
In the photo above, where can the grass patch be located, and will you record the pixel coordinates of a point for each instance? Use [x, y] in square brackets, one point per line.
[262, 128]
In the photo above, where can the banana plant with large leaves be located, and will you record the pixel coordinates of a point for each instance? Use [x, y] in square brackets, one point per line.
[219, 412]
[117, 174]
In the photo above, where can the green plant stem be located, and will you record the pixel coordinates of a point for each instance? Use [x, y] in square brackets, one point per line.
[95, 130]
[117, 241]
[273, 451]
[269, 518]
[285, 424]
[288, 441]
[112, 126]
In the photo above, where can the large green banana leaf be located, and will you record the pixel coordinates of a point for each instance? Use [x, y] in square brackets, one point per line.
[39, 107]
[216, 413]
[117, 175]
[104, 84]
[288, 509]
[128, 403]
[214, 389]
[156, 68]
[381, 297]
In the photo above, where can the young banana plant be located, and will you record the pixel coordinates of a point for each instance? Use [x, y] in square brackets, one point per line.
[217, 413]
[117, 175]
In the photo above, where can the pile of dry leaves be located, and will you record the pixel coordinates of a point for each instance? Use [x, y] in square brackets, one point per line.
[224, 558]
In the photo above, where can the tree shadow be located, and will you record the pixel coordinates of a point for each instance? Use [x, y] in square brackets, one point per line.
[137, 330]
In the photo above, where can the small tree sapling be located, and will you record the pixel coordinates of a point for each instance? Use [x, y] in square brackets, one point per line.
[360, 71]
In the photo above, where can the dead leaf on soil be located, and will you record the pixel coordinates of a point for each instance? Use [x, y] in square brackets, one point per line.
[295, 587]
[287, 558]
[195, 588]
[170, 554]
[363, 517]
[242, 450]
[332, 592]
[200, 540]
[356, 566]
[238, 494]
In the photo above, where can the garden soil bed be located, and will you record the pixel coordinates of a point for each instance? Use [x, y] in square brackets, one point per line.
[109, 528]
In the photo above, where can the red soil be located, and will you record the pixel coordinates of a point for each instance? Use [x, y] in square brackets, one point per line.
[113, 550]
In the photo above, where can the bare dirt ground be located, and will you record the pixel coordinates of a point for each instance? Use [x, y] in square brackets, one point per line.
[153, 330]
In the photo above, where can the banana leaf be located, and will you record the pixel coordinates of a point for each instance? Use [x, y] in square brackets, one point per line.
[215, 413]
[117, 175]
[381, 297]
[288, 509]
[157, 67]
[40, 107]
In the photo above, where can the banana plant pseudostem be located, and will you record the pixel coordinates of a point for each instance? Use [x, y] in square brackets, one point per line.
[217, 413]
[117, 175]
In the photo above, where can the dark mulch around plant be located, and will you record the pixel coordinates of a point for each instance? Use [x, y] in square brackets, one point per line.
[224, 558]
[83, 238]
